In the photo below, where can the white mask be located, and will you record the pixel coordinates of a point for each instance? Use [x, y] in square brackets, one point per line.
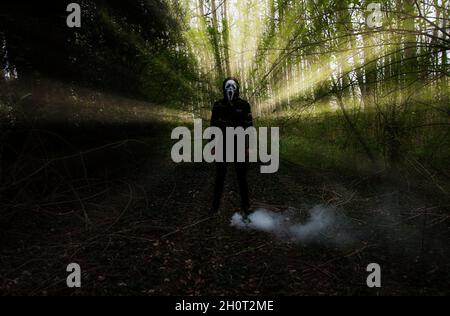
[231, 88]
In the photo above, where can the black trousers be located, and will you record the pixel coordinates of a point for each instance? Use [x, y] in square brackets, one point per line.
[221, 173]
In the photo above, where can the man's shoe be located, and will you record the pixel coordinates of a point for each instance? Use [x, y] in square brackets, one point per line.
[246, 220]
[246, 211]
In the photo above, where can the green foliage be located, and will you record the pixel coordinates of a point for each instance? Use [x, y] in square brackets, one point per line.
[133, 47]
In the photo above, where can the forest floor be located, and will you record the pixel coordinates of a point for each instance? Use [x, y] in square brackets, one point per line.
[137, 224]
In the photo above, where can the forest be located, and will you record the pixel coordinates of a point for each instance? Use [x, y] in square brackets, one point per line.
[359, 89]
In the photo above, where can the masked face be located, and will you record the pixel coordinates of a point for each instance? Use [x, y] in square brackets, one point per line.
[231, 88]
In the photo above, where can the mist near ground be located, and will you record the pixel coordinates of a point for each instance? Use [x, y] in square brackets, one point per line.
[321, 224]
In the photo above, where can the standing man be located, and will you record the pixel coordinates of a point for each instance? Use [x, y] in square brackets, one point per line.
[234, 112]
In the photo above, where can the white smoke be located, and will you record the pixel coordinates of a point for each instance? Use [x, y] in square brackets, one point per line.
[323, 225]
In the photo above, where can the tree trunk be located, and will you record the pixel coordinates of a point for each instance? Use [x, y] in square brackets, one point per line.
[214, 31]
[226, 38]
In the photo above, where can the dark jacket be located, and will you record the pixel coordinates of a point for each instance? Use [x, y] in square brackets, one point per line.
[235, 113]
